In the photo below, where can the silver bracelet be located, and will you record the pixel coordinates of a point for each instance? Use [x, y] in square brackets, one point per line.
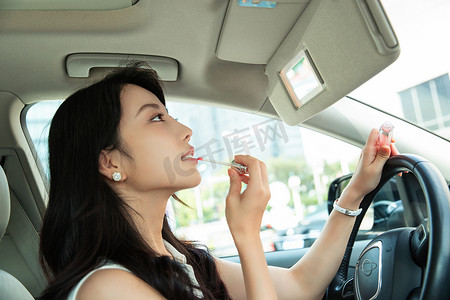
[347, 212]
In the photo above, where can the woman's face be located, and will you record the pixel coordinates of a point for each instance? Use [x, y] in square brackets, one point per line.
[158, 144]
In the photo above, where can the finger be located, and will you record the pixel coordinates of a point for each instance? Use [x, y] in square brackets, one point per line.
[244, 178]
[235, 186]
[264, 176]
[383, 154]
[369, 152]
[394, 150]
[254, 168]
[372, 139]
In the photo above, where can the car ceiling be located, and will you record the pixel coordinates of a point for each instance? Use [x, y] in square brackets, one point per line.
[222, 49]
[35, 45]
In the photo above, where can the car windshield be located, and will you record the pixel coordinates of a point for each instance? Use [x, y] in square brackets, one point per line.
[416, 87]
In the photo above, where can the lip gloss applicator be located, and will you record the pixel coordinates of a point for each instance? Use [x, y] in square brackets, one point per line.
[238, 167]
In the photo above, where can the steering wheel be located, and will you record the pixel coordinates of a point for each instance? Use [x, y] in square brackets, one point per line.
[404, 263]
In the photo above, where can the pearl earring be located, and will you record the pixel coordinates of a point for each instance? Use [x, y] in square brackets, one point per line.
[116, 176]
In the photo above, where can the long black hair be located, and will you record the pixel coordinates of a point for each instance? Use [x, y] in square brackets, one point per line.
[86, 221]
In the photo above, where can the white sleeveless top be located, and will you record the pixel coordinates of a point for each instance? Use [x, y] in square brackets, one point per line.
[111, 265]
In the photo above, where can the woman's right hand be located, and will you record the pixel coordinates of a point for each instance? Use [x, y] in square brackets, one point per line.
[244, 211]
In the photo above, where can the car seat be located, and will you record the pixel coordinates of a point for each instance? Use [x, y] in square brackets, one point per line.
[10, 287]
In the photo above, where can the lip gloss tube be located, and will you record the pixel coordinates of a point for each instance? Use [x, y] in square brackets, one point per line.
[238, 167]
[386, 133]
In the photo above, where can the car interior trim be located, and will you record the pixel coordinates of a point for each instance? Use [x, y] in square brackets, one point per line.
[379, 245]
[79, 64]
[66, 4]
[379, 26]
[248, 29]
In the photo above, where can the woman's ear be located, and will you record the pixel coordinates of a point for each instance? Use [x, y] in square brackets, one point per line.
[108, 165]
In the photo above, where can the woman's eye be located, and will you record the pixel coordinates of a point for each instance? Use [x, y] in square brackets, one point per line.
[157, 118]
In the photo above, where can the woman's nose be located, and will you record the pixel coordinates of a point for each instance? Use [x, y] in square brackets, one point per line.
[187, 134]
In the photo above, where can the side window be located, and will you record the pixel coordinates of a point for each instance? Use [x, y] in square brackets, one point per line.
[37, 123]
[301, 164]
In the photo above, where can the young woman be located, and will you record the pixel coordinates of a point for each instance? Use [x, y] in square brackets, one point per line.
[105, 233]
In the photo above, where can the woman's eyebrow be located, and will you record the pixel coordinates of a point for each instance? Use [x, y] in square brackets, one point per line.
[148, 105]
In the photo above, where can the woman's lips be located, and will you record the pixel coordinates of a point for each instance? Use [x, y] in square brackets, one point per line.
[189, 155]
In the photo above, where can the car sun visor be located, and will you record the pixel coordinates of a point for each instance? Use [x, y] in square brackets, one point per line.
[252, 30]
[334, 47]
[79, 64]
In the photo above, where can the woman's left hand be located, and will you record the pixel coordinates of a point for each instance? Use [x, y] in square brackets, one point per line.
[368, 171]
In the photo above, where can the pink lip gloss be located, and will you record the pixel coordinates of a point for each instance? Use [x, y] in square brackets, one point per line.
[238, 167]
